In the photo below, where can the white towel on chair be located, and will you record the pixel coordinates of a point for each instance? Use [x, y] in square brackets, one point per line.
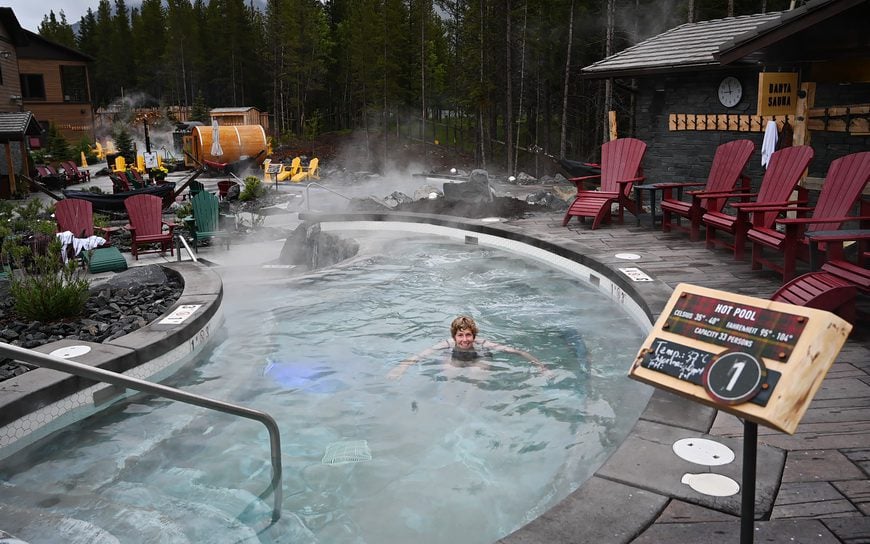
[78, 244]
[768, 145]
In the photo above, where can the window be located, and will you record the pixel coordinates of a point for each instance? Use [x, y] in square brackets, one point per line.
[74, 83]
[32, 87]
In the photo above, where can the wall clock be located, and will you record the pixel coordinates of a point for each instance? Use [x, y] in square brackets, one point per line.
[730, 91]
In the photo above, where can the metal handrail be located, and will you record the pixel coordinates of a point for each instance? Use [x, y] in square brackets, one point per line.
[308, 200]
[180, 238]
[100, 375]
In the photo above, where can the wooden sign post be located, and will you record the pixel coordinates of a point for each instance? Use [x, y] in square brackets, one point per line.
[759, 360]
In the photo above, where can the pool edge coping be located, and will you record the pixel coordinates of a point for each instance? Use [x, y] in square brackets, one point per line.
[38, 402]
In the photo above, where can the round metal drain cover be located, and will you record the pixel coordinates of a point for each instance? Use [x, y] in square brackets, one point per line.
[69, 352]
[627, 256]
[703, 452]
[715, 485]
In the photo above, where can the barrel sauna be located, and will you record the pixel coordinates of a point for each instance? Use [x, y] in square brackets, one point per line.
[237, 142]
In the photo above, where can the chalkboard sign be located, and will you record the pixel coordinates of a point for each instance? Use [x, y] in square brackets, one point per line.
[738, 326]
[682, 362]
[689, 364]
[273, 169]
[779, 353]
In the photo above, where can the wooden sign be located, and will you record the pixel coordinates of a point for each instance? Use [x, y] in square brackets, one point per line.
[777, 93]
[751, 357]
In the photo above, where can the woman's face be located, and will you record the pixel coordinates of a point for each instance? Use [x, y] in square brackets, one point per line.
[464, 339]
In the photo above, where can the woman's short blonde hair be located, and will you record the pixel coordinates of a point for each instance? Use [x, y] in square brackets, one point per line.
[463, 322]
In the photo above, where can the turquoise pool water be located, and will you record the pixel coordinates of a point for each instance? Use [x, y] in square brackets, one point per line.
[449, 453]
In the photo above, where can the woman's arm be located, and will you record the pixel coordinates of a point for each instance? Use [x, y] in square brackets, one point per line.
[524, 354]
[400, 369]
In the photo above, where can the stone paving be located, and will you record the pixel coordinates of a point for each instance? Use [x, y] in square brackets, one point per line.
[824, 489]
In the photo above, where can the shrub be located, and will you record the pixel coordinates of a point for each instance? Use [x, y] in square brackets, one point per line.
[125, 145]
[101, 220]
[47, 289]
[57, 146]
[253, 190]
[184, 210]
[28, 218]
[84, 146]
[38, 157]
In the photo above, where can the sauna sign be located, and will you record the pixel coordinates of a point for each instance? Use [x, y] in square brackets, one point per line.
[777, 93]
[757, 359]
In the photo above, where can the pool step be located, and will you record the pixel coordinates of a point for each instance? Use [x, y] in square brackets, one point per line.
[124, 511]
[66, 522]
[158, 489]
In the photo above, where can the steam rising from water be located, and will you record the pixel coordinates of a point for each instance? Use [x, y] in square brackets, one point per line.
[122, 113]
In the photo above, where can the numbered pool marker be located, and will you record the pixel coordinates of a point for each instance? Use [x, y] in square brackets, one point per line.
[734, 377]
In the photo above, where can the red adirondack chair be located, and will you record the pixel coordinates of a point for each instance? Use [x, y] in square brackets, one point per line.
[834, 288]
[783, 173]
[73, 174]
[120, 183]
[846, 179]
[727, 169]
[136, 178]
[46, 174]
[146, 224]
[620, 170]
[77, 216]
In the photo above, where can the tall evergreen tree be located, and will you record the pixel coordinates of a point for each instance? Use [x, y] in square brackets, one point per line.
[58, 31]
[104, 70]
[122, 58]
[199, 110]
[148, 35]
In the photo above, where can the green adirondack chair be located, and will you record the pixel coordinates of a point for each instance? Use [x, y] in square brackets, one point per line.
[206, 220]
[194, 188]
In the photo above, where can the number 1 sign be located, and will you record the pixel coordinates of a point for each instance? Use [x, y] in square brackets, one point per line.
[755, 358]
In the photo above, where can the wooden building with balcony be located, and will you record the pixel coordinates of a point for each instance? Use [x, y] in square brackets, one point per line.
[55, 87]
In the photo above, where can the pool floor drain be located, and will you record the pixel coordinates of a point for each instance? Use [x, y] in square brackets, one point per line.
[351, 451]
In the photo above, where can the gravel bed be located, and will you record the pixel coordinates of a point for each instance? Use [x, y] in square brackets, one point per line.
[117, 306]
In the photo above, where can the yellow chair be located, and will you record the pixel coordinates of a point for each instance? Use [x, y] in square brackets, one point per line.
[308, 173]
[288, 172]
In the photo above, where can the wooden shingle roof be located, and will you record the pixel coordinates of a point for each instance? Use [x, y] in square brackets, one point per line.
[243, 109]
[15, 125]
[688, 46]
[713, 43]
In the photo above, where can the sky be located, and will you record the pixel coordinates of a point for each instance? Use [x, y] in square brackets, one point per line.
[31, 12]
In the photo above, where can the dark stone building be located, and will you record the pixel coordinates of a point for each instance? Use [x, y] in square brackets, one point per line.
[684, 76]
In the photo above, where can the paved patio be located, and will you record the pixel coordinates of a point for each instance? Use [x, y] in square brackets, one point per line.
[824, 494]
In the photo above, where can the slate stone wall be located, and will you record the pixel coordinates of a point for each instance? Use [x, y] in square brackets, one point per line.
[686, 155]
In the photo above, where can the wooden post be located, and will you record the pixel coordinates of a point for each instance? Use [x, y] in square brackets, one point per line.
[10, 168]
[801, 133]
[611, 117]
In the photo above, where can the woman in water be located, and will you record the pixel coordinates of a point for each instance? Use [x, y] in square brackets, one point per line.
[464, 347]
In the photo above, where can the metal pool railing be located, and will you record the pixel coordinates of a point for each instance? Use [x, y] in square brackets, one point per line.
[100, 375]
[308, 200]
[179, 242]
